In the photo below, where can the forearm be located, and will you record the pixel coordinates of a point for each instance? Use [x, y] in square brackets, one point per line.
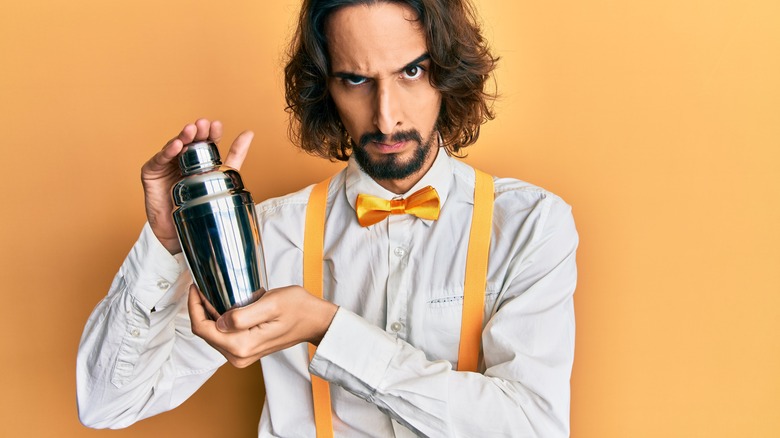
[527, 353]
[137, 355]
[431, 398]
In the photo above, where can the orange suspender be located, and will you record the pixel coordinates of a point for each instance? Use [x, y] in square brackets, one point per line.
[313, 241]
[473, 293]
[476, 273]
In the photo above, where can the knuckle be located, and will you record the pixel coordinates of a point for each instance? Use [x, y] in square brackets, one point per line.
[243, 363]
[239, 350]
[244, 352]
[234, 320]
[240, 361]
[272, 306]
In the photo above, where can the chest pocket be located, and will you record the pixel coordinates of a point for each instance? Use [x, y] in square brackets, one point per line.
[442, 321]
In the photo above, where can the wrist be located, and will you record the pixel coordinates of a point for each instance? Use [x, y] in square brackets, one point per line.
[327, 315]
[170, 243]
[172, 246]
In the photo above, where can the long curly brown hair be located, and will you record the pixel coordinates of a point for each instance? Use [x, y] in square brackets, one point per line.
[461, 64]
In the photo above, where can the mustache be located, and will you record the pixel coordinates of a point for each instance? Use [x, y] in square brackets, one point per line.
[378, 137]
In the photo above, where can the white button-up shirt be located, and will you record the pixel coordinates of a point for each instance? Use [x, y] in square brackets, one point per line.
[391, 351]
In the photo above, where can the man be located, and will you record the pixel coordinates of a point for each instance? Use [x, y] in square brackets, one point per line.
[396, 87]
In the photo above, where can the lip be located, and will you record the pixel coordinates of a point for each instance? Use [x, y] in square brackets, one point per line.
[389, 148]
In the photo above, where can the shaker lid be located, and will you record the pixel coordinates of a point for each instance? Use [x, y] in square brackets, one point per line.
[198, 155]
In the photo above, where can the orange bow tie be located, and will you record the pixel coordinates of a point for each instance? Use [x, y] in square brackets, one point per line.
[423, 203]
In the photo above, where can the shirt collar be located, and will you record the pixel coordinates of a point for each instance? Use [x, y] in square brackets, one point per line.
[439, 176]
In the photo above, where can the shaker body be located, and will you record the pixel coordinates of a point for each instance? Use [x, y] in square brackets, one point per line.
[217, 228]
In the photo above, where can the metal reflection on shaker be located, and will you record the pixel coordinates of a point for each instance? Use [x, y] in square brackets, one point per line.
[217, 226]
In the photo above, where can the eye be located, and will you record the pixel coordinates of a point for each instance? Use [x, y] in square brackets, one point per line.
[354, 81]
[413, 72]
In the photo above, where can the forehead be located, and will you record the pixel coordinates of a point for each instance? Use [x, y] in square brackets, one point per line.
[373, 38]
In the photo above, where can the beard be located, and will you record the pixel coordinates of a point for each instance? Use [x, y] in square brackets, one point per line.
[390, 166]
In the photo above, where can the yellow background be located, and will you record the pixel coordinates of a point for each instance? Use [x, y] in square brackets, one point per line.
[658, 121]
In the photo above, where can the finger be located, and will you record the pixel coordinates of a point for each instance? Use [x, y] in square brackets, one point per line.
[238, 348]
[202, 325]
[215, 132]
[210, 310]
[203, 126]
[161, 161]
[239, 150]
[187, 134]
[243, 318]
[195, 306]
[205, 327]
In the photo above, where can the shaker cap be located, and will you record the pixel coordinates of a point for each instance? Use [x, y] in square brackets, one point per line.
[197, 156]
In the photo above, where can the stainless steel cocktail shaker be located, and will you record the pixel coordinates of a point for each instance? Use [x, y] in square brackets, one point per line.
[217, 226]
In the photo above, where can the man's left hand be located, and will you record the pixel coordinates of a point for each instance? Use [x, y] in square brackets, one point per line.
[281, 318]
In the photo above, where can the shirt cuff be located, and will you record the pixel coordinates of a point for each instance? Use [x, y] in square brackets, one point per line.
[336, 358]
[150, 269]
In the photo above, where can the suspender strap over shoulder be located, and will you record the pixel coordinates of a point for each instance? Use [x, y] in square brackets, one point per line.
[476, 273]
[313, 241]
[473, 293]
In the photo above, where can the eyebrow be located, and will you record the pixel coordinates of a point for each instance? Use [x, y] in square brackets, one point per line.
[420, 59]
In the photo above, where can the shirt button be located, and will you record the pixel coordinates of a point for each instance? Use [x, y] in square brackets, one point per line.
[396, 327]
[163, 285]
[135, 333]
[400, 252]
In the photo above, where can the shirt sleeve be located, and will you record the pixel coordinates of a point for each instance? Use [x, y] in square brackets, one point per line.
[137, 356]
[527, 342]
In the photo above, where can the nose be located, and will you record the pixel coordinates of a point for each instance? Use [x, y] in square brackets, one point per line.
[387, 114]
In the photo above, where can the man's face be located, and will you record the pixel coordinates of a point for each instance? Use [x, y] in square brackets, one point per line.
[379, 82]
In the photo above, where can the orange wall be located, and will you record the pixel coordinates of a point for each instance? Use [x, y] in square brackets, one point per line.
[658, 121]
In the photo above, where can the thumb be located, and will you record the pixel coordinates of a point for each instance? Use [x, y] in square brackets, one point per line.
[239, 149]
[228, 321]
[246, 317]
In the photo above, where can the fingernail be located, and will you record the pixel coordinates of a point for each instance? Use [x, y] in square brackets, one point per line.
[221, 326]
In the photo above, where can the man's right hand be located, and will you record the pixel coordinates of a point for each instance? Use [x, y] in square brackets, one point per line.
[160, 173]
